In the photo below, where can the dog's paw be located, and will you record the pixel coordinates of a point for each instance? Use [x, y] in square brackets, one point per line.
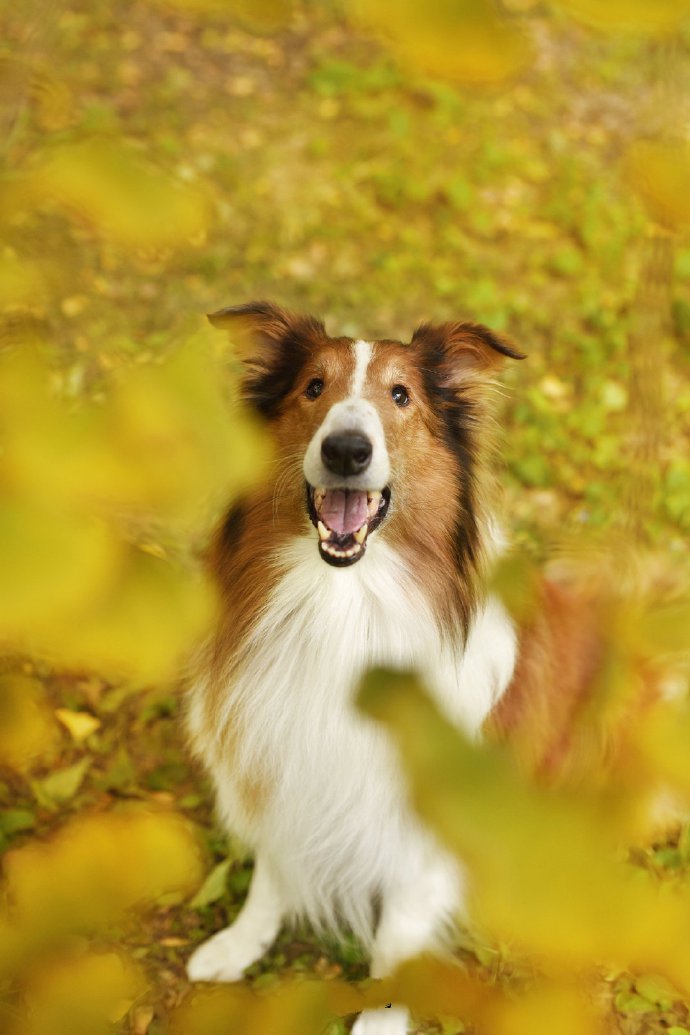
[392, 1020]
[224, 957]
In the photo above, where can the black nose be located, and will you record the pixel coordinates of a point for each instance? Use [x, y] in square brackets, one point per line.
[346, 453]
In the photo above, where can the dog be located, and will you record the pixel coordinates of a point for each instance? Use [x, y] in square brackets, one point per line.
[369, 546]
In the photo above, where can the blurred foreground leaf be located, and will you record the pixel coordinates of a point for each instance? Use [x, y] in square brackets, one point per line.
[142, 622]
[463, 40]
[82, 994]
[91, 872]
[428, 987]
[660, 172]
[22, 283]
[549, 1008]
[303, 1008]
[664, 740]
[544, 868]
[655, 18]
[27, 729]
[106, 185]
[54, 561]
[166, 441]
[156, 460]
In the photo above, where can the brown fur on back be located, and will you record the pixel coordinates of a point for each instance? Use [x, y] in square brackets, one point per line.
[577, 684]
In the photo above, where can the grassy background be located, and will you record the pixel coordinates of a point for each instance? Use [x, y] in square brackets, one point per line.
[338, 180]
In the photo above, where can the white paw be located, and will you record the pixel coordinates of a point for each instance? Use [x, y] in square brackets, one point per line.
[392, 1020]
[224, 957]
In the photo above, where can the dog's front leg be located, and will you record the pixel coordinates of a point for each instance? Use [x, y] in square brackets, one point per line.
[415, 918]
[226, 955]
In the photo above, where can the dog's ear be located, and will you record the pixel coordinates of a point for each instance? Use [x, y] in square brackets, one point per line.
[274, 344]
[464, 351]
[257, 328]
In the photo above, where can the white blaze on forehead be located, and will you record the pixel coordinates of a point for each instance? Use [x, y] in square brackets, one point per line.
[356, 415]
[363, 351]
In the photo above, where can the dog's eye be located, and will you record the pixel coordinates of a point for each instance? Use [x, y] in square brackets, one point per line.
[400, 395]
[314, 388]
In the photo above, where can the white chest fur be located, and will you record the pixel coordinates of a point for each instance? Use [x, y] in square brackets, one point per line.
[335, 820]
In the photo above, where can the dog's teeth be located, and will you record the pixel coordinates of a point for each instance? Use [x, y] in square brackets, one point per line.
[373, 501]
[324, 533]
[361, 534]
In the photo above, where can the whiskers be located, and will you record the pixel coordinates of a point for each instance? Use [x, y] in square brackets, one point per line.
[290, 474]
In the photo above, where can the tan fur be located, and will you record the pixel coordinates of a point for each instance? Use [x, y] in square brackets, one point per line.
[577, 685]
[424, 474]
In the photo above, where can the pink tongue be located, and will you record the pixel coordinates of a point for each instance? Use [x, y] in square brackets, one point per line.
[344, 510]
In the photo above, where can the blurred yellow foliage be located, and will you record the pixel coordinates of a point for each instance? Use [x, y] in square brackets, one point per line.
[105, 184]
[544, 865]
[549, 1007]
[93, 870]
[462, 40]
[81, 994]
[659, 171]
[647, 17]
[429, 987]
[48, 94]
[156, 459]
[54, 563]
[301, 1006]
[263, 15]
[143, 621]
[27, 729]
[51, 99]
[664, 740]
[22, 283]
[164, 442]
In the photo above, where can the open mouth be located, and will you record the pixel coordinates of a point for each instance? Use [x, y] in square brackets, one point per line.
[344, 519]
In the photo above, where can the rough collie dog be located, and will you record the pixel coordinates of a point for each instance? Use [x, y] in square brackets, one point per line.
[368, 547]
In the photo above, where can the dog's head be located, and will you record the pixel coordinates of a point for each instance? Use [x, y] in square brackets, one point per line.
[370, 435]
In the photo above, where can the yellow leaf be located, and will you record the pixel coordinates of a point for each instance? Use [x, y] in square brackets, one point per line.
[544, 866]
[646, 17]
[547, 1009]
[52, 100]
[76, 992]
[22, 283]
[142, 622]
[660, 172]
[293, 1008]
[166, 441]
[79, 724]
[466, 41]
[27, 731]
[104, 184]
[63, 784]
[164, 451]
[53, 564]
[85, 862]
